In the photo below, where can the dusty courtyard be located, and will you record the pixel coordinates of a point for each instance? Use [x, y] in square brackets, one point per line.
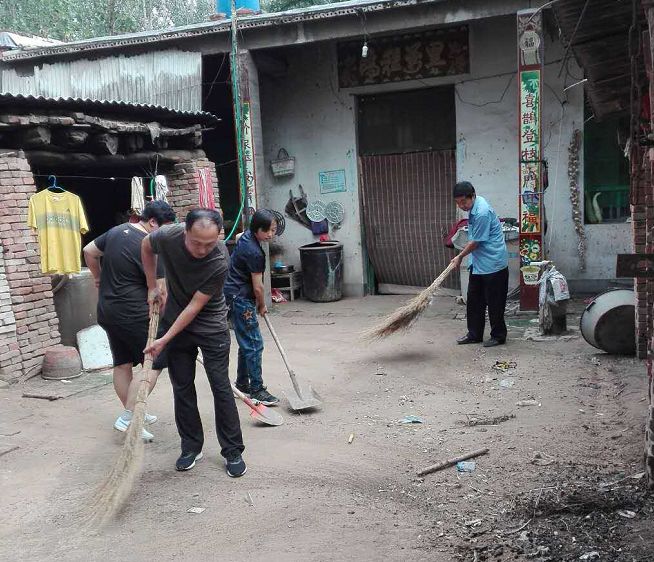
[562, 480]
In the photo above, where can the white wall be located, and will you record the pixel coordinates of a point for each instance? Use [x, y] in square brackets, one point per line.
[307, 114]
[488, 146]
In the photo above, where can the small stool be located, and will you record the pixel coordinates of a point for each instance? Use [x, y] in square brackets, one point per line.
[290, 282]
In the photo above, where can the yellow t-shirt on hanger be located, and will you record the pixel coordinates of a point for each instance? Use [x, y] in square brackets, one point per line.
[60, 221]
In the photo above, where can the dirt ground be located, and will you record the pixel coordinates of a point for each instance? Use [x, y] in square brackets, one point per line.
[562, 480]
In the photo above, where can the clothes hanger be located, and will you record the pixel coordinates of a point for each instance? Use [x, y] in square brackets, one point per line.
[53, 185]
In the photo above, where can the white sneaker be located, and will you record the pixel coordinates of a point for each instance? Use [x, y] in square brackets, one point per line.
[150, 419]
[121, 425]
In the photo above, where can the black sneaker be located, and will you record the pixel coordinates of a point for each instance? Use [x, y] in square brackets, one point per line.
[264, 397]
[187, 460]
[235, 467]
[244, 388]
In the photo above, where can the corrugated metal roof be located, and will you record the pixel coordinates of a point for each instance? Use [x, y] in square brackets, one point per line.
[319, 12]
[146, 111]
[12, 40]
[167, 77]
[601, 47]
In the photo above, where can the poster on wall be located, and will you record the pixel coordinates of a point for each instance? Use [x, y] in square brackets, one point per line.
[411, 56]
[530, 180]
[248, 157]
[332, 181]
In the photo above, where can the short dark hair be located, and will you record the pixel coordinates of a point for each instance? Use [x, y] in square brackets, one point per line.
[204, 214]
[261, 220]
[160, 211]
[463, 189]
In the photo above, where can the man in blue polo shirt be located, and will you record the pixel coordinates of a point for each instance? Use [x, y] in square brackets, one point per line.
[244, 293]
[489, 271]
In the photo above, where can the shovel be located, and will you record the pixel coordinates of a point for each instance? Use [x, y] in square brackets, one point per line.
[298, 400]
[258, 411]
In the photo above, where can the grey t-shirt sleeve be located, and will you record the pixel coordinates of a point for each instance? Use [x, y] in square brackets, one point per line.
[154, 241]
[101, 241]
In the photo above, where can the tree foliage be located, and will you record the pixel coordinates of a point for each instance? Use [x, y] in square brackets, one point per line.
[70, 20]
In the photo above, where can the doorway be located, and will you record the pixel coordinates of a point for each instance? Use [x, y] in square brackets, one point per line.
[407, 162]
[219, 143]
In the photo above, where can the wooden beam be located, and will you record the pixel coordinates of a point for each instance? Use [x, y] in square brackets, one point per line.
[49, 159]
[34, 137]
[104, 143]
[70, 138]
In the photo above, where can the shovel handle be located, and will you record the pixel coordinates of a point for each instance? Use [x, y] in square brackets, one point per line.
[244, 398]
[296, 386]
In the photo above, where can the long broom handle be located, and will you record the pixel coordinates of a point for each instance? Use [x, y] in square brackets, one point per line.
[291, 373]
[147, 360]
[439, 280]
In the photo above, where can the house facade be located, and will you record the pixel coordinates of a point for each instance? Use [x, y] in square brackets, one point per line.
[434, 100]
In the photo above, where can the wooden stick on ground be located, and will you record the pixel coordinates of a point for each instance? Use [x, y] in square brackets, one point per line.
[452, 462]
[406, 315]
[117, 486]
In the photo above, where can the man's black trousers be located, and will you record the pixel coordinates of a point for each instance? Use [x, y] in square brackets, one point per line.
[182, 355]
[487, 291]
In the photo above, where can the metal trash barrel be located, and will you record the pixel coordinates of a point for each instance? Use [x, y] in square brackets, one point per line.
[608, 322]
[322, 271]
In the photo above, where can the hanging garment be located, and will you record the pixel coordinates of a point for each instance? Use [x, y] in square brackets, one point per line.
[206, 189]
[138, 200]
[161, 188]
[60, 221]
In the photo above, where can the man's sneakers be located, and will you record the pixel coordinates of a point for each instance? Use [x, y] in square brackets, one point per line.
[244, 388]
[493, 342]
[235, 466]
[123, 421]
[264, 397]
[187, 461]
[150, 419]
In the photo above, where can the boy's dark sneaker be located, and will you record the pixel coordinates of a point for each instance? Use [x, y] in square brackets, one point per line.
[245, 389]
[187, 460]
[264, 397]
[235, 466]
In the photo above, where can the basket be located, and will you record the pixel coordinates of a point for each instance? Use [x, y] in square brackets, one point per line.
[284, 165]
[530, 274]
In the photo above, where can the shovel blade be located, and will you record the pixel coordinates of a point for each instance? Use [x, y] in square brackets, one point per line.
[265, 415]
[308, 401]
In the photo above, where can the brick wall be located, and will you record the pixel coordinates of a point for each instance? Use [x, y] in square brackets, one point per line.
[642, 216]
[183, 187]
[31, 302]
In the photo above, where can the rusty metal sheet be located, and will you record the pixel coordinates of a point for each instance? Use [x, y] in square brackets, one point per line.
[407, 210]
[601, 47]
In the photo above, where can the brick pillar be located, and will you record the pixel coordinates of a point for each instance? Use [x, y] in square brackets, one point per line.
[183, 186]
[10, 361]
[32, 305]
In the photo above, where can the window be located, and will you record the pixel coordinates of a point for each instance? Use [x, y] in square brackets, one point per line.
[606, 170]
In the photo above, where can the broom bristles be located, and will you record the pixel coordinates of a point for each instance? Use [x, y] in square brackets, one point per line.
[117, 485]
[403, 317]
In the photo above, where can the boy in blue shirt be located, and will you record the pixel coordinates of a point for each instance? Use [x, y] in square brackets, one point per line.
[245, 297]
[489, 267]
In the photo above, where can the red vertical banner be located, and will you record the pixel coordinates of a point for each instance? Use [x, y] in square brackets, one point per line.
[530, 180]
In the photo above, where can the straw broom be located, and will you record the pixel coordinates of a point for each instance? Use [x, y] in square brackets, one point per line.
[118, 484]
[406, 315]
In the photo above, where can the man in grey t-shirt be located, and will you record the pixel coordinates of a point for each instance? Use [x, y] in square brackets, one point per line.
[195, 317]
